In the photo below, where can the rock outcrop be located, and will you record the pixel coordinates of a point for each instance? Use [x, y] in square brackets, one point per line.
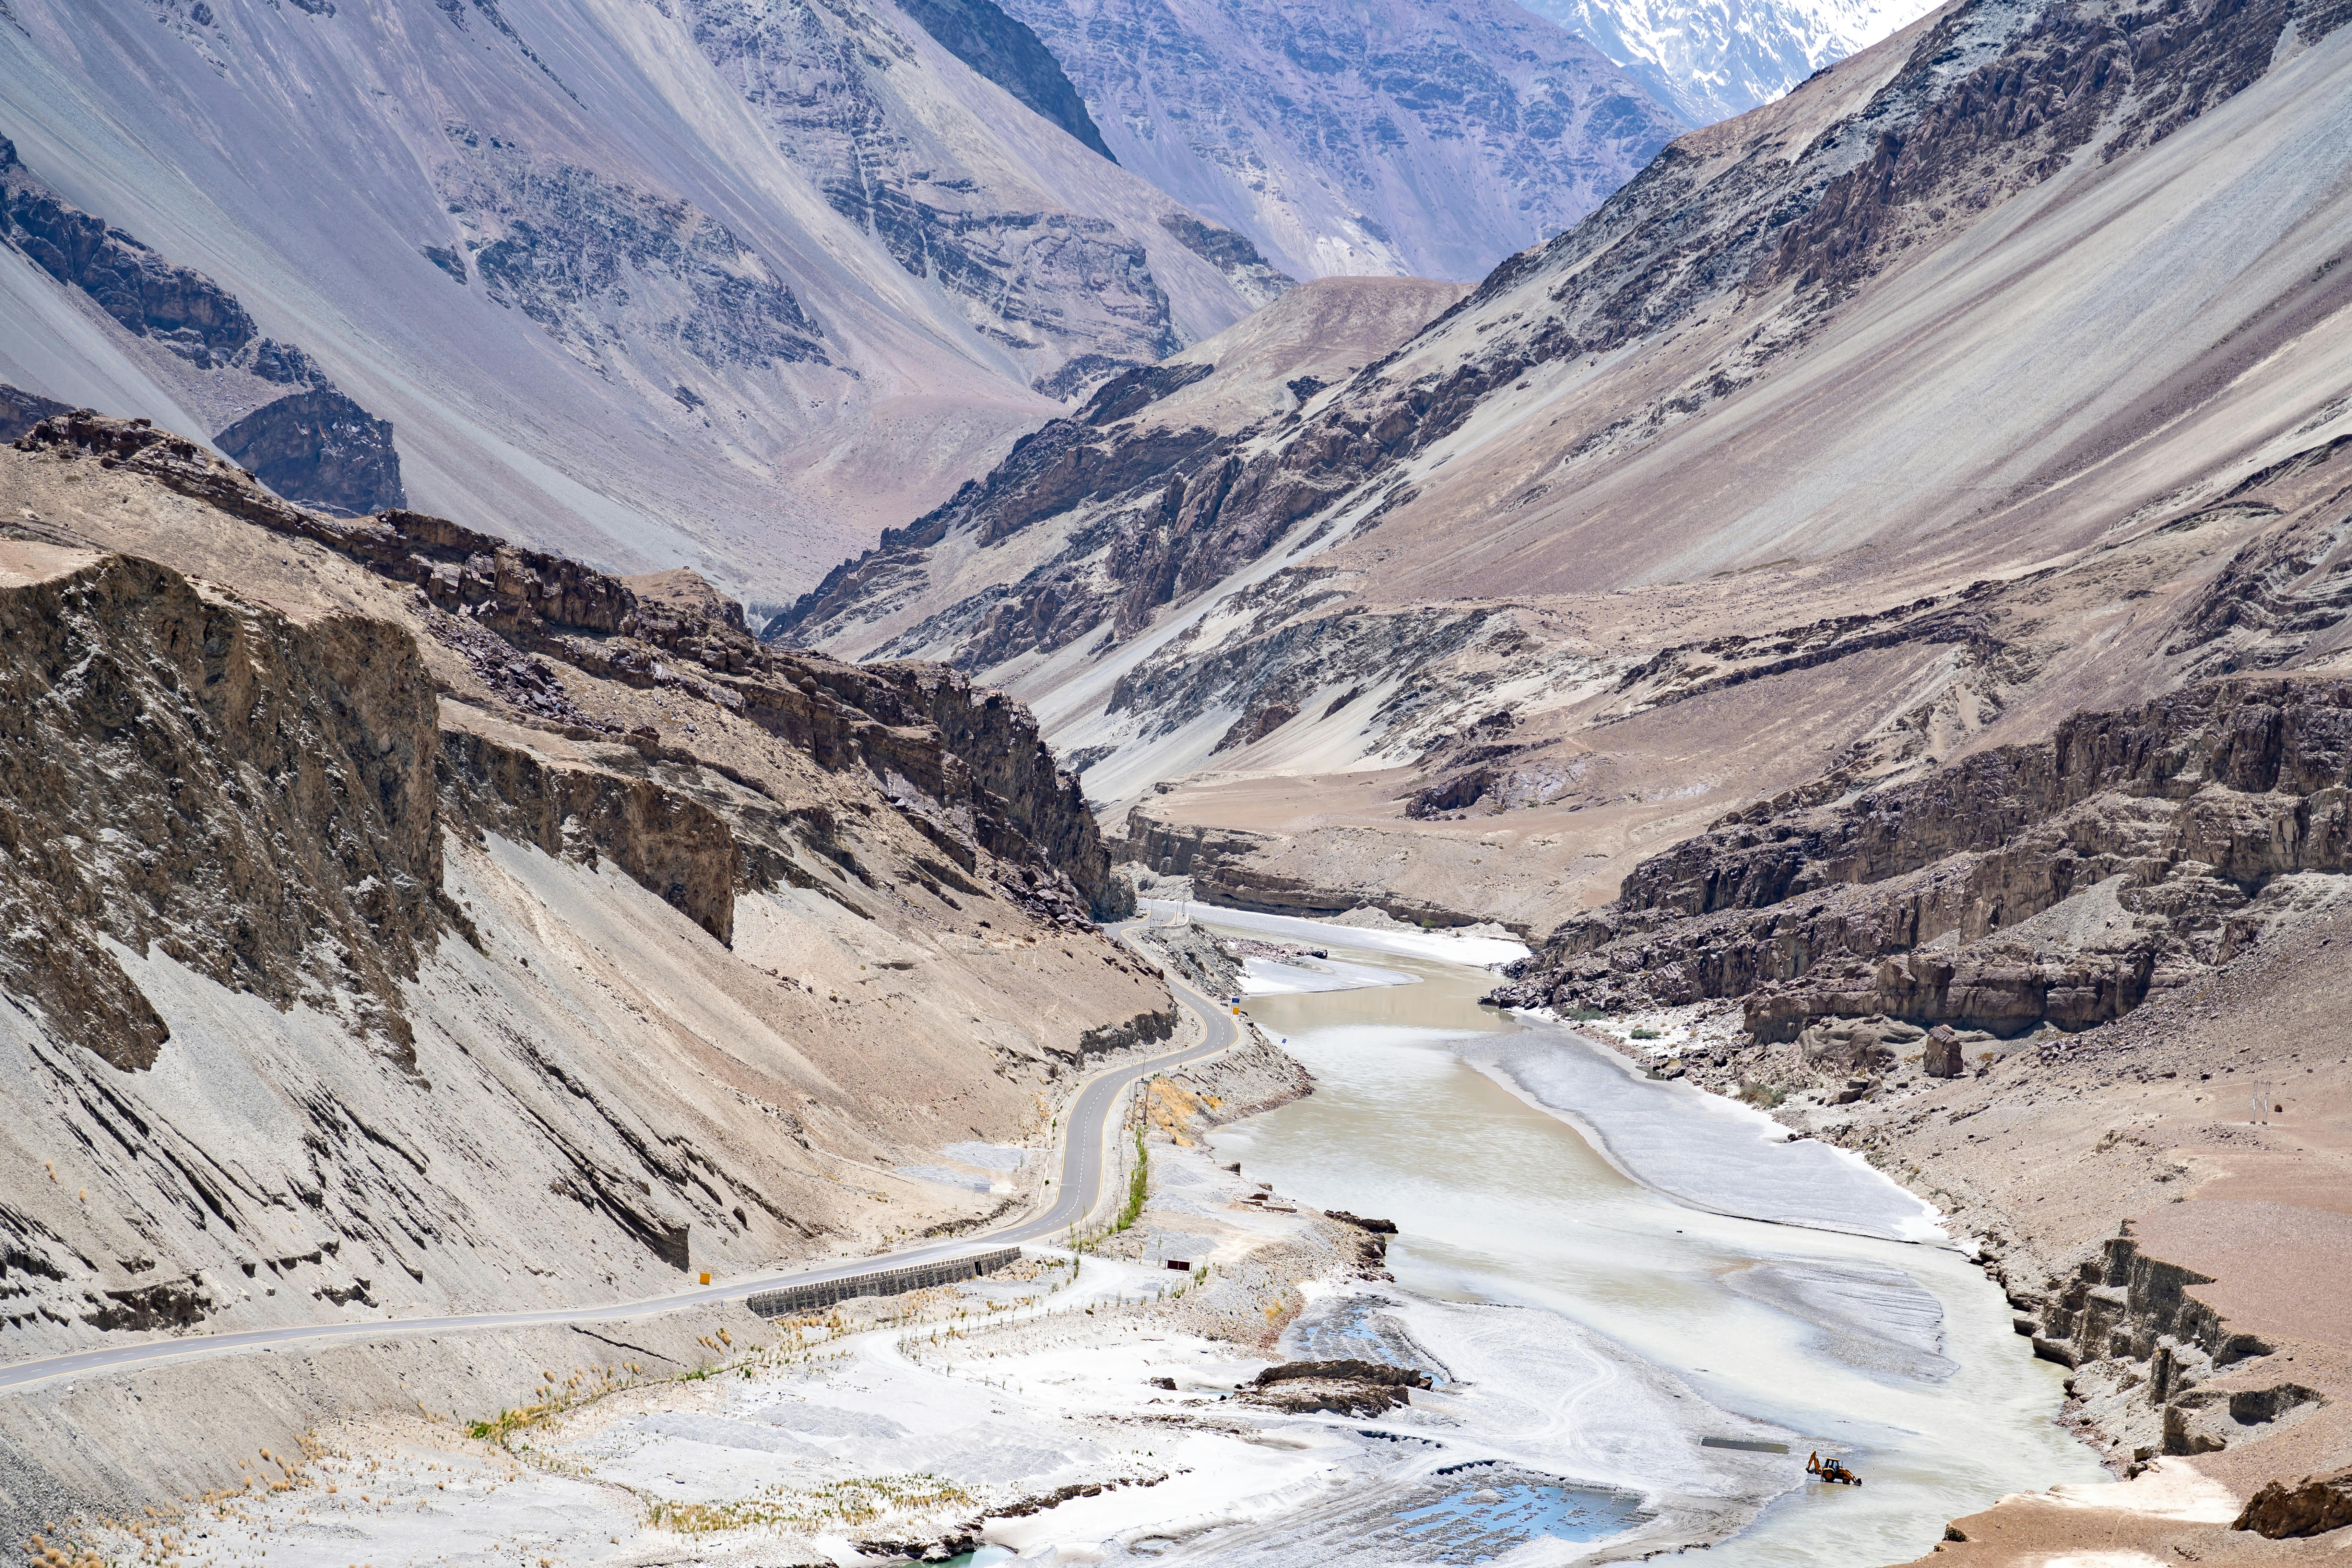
[21, 410]
[1338, 1387]
[2313, 1506]
[2054, 883]
[1119, 510]
[321, 449]
[293, 852]
[2169, 1373]
[570, 248]
[1221, 863]
[967, 765]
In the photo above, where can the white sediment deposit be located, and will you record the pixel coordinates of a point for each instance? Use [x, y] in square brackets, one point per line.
[1369, 931]
[1077, 1408]
[1592, 1350]
[1700, 1148]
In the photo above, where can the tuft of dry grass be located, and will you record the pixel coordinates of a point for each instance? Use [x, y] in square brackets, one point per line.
[853, 1503]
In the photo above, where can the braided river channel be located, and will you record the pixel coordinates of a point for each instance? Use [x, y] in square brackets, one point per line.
[1782, 1281]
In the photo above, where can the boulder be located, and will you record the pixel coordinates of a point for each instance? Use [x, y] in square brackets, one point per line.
[1943, 1056]
[2312, 1505]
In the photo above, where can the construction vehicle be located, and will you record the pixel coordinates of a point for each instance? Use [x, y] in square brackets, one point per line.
[1831, 1470]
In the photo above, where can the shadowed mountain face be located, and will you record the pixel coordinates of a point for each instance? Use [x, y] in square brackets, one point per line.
[319, 448]
[1008, 54]
[1399, 139]
[1984, 378]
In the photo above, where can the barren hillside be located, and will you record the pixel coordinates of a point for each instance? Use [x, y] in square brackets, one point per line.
[404, 922]
[1981, 380]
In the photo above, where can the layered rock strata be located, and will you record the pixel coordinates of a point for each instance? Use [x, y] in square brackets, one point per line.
[381, 866]
[2058, 882]
[967, 764]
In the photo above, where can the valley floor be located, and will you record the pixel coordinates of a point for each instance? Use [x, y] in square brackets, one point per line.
[1103, 1386]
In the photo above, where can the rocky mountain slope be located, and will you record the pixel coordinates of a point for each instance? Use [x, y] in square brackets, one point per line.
[718, 284]
[2059, 883]
[406, 921]
[1712, 59]
[730, 284]
[1392, 139]
[1990, 376]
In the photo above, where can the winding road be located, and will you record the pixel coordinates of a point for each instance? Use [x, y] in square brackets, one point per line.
[1078, 1190]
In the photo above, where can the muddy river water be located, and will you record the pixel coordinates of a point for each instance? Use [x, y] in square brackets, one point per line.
[1897, 1355]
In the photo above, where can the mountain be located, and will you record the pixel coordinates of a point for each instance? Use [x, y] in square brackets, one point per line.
[1897, 420]
[731, 284]
[402, 920]
[724, 283]
[1712, 59]
[1397, 138]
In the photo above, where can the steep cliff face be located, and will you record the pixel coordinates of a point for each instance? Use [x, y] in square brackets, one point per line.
[321, 449]
[1395, 139]
[407, 921]
[316, 883]
[2056, 883]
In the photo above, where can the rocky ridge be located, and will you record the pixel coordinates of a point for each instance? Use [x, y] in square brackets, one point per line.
[945, 747]
[2056, 883]
[415, 866]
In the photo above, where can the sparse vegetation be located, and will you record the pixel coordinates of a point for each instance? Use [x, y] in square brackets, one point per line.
[855, 1502]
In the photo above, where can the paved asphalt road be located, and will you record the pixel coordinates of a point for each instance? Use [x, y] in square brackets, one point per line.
[1079, 1187]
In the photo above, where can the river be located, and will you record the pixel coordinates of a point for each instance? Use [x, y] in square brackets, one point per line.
[1897, 1355]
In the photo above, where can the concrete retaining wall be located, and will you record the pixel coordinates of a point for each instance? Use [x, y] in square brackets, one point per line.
[791, 1298]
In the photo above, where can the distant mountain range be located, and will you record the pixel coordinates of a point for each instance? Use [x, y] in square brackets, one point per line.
[1714, 59]
[728, 283]
[1994, 374]
[1395, 137]
[733, 284]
